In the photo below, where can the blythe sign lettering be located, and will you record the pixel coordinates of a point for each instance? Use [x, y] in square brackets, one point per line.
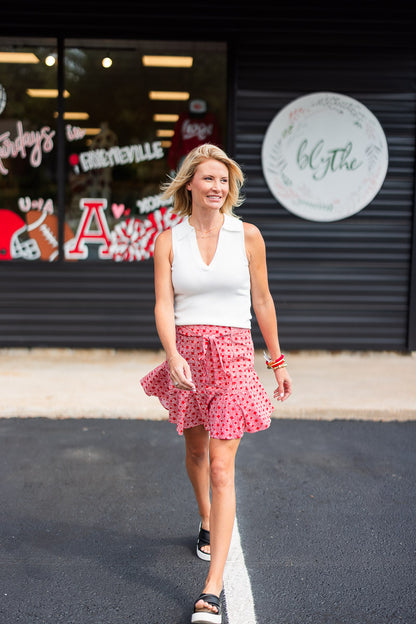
[320, 159]
[325, 157]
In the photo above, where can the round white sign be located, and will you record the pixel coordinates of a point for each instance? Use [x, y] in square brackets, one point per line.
[324, 157]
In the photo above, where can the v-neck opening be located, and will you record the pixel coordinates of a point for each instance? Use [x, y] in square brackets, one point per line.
[206, 266]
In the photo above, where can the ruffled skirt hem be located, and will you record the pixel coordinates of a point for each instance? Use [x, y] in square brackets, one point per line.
[229, 399]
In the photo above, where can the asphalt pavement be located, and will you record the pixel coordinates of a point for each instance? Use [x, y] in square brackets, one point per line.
[98, 521]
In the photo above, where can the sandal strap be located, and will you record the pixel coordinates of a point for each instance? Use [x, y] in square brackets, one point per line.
[203, 538]
[211, 599]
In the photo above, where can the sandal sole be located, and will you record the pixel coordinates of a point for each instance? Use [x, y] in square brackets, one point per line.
[206, 618]
[203, 555]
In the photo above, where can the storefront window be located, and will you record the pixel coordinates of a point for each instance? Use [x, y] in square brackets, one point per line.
[28, 183]
[134, 110]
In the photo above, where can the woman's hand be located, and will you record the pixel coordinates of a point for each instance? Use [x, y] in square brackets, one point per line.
[180, 373]
[284, 384]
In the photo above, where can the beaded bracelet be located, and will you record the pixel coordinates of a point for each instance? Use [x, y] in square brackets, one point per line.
[275, 364]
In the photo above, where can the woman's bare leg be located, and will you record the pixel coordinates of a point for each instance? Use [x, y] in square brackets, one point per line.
[222, 471]
[198, 469]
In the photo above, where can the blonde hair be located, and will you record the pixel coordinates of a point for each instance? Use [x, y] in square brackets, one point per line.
[182, 198]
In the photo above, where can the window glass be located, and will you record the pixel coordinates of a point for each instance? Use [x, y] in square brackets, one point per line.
[133, 111]
[28, 187]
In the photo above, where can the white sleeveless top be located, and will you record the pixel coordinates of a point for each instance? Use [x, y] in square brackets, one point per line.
[214, 294]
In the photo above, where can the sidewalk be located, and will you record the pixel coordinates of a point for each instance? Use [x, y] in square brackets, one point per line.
[104, 383]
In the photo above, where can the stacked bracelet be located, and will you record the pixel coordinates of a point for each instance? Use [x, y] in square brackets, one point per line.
[275, 364]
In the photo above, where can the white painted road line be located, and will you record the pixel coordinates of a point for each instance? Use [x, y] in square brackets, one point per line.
[237, 586]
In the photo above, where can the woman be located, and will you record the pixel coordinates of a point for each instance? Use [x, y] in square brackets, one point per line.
[209, 270]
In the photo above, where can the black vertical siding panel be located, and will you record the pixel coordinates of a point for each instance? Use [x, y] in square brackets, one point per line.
[88, 305]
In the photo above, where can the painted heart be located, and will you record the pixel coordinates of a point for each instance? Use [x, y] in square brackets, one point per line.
[117, 210]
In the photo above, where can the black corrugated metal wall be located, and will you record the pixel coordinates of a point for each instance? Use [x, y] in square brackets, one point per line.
[340, 285]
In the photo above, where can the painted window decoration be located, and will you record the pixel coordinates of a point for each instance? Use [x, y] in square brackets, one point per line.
[28, 221]
[132, 110]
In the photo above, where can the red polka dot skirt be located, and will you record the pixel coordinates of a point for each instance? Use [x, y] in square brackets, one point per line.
[229, 399]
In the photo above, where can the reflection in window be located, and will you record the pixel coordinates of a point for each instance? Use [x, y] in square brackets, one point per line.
[28, 97]
[135, 109]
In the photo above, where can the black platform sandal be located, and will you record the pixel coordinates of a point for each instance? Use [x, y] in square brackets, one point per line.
[203, 616]
[203, 540]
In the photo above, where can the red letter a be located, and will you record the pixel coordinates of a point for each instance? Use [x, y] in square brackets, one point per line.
[92, 209]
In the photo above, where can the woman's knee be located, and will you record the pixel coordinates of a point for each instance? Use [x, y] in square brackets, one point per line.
[197, 454]
[222, 472]
[197, 445]
[222, 462]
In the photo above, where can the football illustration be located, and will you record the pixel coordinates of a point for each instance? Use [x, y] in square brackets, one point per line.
[43, 228]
